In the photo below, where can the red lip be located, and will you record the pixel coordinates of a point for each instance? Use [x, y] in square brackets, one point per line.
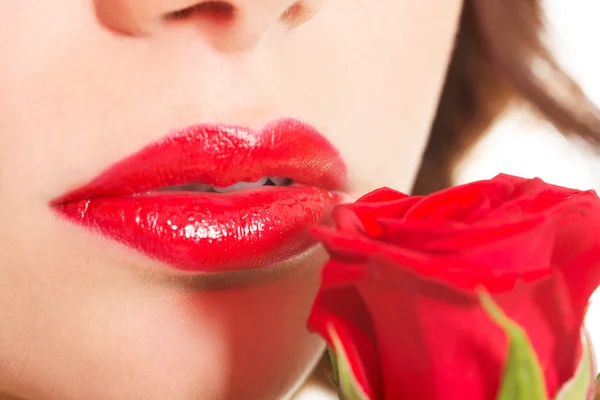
[212, 232]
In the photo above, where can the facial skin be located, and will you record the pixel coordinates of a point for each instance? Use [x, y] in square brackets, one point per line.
[85, 83]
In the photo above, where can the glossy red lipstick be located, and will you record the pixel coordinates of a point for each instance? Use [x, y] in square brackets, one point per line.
[150, 201]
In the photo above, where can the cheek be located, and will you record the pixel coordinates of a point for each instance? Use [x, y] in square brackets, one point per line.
[36, 83]
[378, 68]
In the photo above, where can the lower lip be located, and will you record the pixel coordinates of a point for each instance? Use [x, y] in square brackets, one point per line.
[210, 232]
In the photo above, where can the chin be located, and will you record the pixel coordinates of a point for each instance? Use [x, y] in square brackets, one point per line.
[161, 340]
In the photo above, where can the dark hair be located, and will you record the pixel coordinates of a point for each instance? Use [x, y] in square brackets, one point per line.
[500, 57]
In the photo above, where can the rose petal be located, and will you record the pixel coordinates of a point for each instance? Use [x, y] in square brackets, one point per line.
[343, 309]
[459, 271]
[345, 246]
[338, 273]
[369, 213]
[456, 203]
[347, 220]
[409, 312]
[577, 255]
[382, 194]
[538, 199]
[435, 342]
[543, 309]
[516, 180]
[456, 237]
[382, 209]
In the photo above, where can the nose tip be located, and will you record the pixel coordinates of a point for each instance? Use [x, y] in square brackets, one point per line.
[232, 24]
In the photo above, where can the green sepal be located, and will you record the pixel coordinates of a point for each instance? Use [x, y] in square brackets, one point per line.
[333, 378]
[347, 385]
[522, 378]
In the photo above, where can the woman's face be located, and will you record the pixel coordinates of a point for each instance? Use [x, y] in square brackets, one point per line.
[96, 306]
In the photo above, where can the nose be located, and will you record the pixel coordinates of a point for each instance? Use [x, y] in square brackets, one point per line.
[230, 24]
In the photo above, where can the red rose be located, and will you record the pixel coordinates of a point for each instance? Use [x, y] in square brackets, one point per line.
[400, 293]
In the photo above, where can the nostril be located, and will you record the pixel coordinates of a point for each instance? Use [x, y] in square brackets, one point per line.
[220, 10]
[297, 14]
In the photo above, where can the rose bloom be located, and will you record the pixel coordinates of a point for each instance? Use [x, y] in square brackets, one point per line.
[400, 289]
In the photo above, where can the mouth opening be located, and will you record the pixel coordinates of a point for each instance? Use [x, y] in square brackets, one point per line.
[198, 187]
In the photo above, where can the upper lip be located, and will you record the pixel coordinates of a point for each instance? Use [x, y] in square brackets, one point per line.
[221, 155]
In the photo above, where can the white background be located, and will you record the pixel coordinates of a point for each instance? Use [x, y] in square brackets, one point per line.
[520, 146]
